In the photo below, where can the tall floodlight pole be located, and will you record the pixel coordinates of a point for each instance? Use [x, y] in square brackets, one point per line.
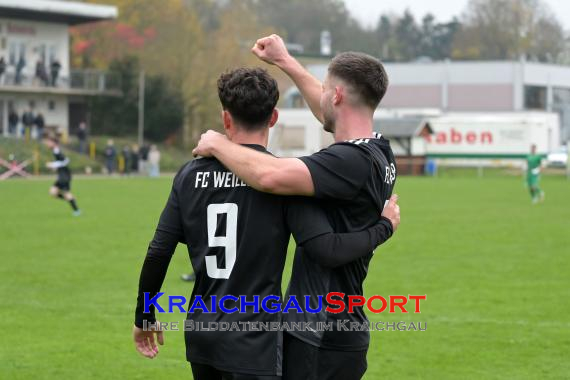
[141, 108]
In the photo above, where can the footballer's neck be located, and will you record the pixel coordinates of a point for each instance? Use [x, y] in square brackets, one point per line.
[352, 125]
[240, 136]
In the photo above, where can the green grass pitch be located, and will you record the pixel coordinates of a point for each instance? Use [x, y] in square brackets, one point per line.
[495, 269]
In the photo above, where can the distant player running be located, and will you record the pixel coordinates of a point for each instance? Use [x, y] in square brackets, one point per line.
[62, 187]
[533, 165]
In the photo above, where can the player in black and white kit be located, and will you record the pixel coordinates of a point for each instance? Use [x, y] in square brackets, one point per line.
[62, 187]
[237, 239]
[353, 178]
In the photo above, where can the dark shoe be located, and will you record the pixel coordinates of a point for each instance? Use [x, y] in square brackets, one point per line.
[188, 277]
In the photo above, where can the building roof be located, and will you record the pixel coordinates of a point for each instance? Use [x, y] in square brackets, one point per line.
[56, 11]
[468, 72]
[402, 127]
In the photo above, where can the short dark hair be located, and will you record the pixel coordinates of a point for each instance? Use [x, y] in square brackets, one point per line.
[364, 73]
[249, 95]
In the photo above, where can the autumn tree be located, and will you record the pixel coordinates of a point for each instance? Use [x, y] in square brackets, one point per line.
[163, 111]
[509, 29]
[303, 21]
[190, 43]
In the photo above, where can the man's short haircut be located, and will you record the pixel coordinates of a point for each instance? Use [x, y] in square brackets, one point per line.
[249, 95]
[364, 73]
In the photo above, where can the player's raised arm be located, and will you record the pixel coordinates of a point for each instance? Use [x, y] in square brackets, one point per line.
[263, 172]
[58, 163]
[272, 50]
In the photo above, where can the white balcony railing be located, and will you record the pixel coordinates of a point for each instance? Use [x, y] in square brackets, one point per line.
[88, 81]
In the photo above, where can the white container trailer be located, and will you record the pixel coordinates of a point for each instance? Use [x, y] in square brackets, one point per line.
[494, 139]
[493, 135]
[473, 139]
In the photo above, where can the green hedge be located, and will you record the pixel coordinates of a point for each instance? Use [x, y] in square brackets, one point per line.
[172, 158]
[23, 150]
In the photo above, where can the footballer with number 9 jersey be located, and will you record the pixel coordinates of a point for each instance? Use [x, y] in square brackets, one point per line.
[237, 239]
[353, 178]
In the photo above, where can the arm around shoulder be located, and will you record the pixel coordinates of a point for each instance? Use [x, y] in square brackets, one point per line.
[287, 176]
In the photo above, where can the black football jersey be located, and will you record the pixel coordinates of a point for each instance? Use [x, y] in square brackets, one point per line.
[61, 164]
[237, 240]
[354, 180]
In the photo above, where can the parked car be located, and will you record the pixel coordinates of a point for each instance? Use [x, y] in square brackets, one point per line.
[558, 158]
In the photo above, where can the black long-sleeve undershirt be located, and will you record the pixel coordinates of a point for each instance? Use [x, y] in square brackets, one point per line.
[335, 249]
[330, 250]
[153, 272]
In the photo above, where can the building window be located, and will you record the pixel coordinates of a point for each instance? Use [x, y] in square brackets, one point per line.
[51, 105]
[52, 53]
[12, 53]
[297, 101]
[535, 97]
[561, 104]
[41, 51]
[15, 51]
[561, 96]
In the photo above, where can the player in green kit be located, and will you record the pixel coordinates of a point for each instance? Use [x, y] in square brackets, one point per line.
[533, 164]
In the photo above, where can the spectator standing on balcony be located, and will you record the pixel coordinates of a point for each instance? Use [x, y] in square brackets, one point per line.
[40, 124]
[19, 67]
[13, 120]
[82, 137]
[55, 67]
[28, 121]
[154, 161]
[2, 70]
[41, 73]
[110, 156]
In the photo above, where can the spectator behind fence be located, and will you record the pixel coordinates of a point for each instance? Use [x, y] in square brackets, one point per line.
[40, 124]
[13, 120]
[28, 121]
[135, 159]
[143, 159]
[54, 68]
[82, 137]
[154, 161]
[2, 70]
[126, 153]
[110, 157]
[19, 67]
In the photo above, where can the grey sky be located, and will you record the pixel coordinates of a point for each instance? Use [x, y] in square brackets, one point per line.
[368, 11]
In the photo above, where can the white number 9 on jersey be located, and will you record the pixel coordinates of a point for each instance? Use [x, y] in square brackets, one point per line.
[229, 242]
